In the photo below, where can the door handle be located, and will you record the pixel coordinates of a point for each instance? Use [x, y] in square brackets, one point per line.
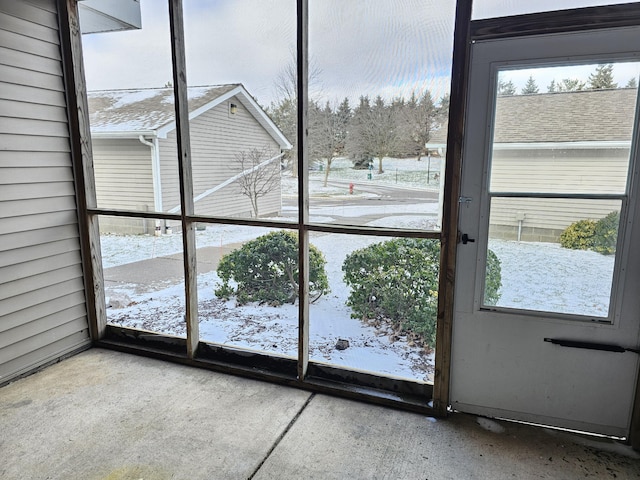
[465, 239]
[605, 347]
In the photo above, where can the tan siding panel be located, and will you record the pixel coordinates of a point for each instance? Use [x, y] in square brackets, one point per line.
[29, 269]
[34, 341]
[39, 236]
[20, 76]
[40, 221]
[11, 175]
[47, 353]
[28, 45]
[25, 27]
[10, 108]
[29, 62]
[36, 127]
[548, 213]
[31, 13]
[35, 282]
[123, 173]
[21, 191]
[34, 252]
[36, 206]
[34, 312]
[46, 5]
[42, 299]
[47, 323]
[217, 138]
[10, 159]
[33, 143]
[597, 171]
[23, 93]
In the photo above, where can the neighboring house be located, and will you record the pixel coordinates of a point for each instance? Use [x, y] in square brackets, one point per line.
[135, 154]
[537, 143]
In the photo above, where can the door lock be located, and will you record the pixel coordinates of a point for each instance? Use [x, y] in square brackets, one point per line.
[465, 239]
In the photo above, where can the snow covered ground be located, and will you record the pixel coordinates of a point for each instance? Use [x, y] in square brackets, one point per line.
[580, 284]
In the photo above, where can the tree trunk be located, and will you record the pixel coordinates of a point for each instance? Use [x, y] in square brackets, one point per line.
[380, 164]
[327, 170]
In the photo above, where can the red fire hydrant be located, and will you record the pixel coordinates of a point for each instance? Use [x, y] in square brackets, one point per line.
[351, 189]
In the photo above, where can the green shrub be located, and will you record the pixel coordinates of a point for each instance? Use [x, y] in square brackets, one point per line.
[266, 270]
[396, 281]
[605, 235]
[493, 279]
[578, 235]
[600, 236]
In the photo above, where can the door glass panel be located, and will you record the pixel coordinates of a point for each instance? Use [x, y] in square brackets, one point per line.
[558, 176]
[554, 255]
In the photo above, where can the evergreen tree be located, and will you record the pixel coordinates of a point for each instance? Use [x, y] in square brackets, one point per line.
[632, 83]
[570, 85]
[506, 88]
[552, 88]
[531, 87]
[602, 77]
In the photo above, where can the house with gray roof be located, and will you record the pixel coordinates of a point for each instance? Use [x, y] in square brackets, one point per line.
[133, 134]
[555, 143]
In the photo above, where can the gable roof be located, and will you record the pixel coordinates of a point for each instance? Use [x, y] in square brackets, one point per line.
[593, 116]
[151, 111]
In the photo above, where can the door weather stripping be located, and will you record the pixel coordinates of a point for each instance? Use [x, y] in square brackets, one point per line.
[605, 347]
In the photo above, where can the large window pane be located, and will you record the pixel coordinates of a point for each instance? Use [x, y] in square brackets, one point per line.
[132, 115]
[143, 274]
[247, 288]
[378, 106]
[380, 313]
[244, 110]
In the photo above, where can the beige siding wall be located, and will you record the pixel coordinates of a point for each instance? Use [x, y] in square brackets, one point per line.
[124, 180]
[42, 300]
[216, 138]
[578, 171]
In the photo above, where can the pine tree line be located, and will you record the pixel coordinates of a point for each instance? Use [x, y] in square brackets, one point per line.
[601, 78]
[373, 129]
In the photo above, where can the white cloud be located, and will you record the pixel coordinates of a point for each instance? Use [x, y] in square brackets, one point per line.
[366, 47]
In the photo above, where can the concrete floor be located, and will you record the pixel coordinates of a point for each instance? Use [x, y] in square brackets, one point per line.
[108, 415]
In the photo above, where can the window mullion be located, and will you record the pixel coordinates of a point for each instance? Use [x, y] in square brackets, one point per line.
[184, 168]
[303, 182]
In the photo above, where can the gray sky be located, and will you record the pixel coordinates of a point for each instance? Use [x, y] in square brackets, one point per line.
[369, 47]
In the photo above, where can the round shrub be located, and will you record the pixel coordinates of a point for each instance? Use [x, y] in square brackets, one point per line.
[493, 279]
[266, 270]
[605, 235]
[396, 281]
[579, 235]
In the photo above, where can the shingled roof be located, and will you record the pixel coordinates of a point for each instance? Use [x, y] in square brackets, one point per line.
[143, 108]
[152, 110]
[582, 116]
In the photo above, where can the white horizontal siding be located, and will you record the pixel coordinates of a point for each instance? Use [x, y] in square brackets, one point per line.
[124, 178]
[42, 300]
[217, 137]
[550, 171]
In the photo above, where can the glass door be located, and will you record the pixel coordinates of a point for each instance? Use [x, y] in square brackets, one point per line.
[545, 309]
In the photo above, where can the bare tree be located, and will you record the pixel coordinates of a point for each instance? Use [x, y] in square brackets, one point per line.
[259, 176]
[327, 133]
[374, 130]
[284, 110]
